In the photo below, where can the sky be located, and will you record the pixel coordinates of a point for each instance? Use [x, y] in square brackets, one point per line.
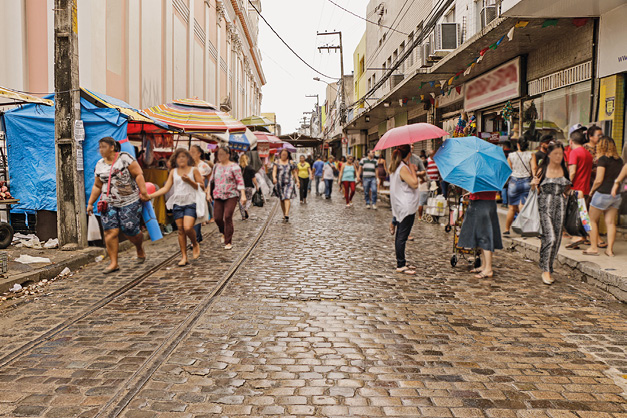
[288, 79]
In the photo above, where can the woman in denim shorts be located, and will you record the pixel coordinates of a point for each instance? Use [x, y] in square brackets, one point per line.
[186, 181]
[609, 166]
[523, 164]
[119, 182]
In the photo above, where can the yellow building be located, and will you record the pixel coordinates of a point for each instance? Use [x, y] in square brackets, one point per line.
[359, 62]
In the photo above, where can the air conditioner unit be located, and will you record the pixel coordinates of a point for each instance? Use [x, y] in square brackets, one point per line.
[432, 54]
[488, 14]
[446, 38]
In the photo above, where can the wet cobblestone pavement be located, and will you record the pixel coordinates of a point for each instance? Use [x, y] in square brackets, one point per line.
[316, 323]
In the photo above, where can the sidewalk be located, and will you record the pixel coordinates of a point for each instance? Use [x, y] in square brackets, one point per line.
[609, 274]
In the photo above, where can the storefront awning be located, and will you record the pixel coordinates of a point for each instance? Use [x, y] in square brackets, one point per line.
[195, 119]
[11, 97]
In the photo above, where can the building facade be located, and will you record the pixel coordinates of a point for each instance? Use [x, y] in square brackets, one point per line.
[146, 52]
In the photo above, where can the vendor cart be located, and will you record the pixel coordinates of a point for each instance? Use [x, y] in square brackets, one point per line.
[458, 205]
[6, 230]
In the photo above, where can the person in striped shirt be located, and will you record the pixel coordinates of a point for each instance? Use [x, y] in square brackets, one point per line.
[368, 174]
[434, 174]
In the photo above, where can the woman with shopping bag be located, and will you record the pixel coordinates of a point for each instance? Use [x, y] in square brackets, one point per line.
[187, 202]
[553, 187]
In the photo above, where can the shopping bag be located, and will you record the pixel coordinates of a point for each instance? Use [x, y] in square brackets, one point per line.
[93, 229]
[583, 214]
[202, 210]
[527, 222]
[572, 221]
[258, 198]
[322, 187]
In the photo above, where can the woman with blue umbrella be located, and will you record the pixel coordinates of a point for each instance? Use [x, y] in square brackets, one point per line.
[481, 168]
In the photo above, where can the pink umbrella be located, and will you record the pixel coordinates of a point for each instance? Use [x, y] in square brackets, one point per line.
[408, 134]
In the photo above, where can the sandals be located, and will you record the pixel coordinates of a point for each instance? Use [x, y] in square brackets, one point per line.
[477, 270]
[406, 270]
[109, 271]
[587, 252]
[575, 245]
[602, 245]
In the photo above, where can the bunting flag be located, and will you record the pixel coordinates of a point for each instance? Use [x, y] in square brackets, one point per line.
[456, 77]
[432, 95]
[493, 46]
[459, 73]
[450, 81]
[579, 22]
[443, 82]
[458, 89]
[500, 40]
[438, 85]
[549, 22]
[432, 83]
[510, 34]
[422, 85]
[422, 97]
[479, 59]
[522, 24]
[483, 51]
[449, 92]
[468, 70]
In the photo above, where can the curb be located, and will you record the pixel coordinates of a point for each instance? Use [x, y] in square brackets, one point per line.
[85, 256]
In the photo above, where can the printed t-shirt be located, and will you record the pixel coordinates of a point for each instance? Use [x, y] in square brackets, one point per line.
[583, 160]
[124, 190]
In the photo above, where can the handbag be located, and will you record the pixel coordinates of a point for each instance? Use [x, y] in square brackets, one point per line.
[572, 221]
[527, 222]
[103, 205]
[258, 199]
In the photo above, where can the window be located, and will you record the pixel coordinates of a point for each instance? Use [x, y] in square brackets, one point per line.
[362, 66]
[401, 49]
[450, 17]
[369, 83]
[389, 61]
[395, 56]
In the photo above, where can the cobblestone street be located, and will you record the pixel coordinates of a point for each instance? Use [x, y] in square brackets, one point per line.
[315, 322]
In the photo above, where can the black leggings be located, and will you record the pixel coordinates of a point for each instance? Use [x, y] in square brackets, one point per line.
[403, 230]
[304, 186]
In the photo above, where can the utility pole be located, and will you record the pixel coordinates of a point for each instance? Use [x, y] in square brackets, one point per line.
[318, 112]
[335, 48]
[69, 133]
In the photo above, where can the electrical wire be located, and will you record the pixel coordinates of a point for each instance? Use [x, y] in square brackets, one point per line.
[385, 35]
[287, 45]
[365, 18]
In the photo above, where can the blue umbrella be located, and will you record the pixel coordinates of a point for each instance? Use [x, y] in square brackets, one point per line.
[473, 164]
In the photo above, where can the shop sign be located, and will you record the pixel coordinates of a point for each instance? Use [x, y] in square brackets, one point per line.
[496, 86]
[344, 140]
[607, 98]
[264, 149]
[493, 137]
[613, 53]
[79, 137]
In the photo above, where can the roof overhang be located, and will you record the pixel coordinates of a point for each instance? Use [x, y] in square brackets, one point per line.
[558, 8]
[301, 141]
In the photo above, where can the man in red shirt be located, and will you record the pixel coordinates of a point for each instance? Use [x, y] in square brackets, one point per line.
[579, 169]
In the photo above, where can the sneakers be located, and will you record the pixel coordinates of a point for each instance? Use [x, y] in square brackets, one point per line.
[367, 206]
[228, 246]
[374, 207]
[221, 239]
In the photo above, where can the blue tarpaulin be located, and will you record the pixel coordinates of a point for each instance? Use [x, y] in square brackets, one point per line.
[31, 150]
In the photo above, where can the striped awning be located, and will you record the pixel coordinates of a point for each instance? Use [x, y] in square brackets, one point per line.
[195, 119]
[273, 141]
[13, 97]
[257, 121]
[195, 102]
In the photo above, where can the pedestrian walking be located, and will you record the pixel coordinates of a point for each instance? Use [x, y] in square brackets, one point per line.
[404, 200]
[304, 175]
[481, 229]
[382, 171]
[229, 188]
[609, 166]
[318, 168]
[205, 171]
[285, 178]
[580, 164]
[433, 173]
[348, 177]
[523, 165]
[553, 184]
[328, 175]
[544, 145]
[185, 181]
[250, 185]
[120, 205]
[369, 178]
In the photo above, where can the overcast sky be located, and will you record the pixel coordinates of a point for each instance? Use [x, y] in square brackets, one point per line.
[288, 79]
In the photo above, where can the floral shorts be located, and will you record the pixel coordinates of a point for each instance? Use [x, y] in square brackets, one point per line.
[125, 218]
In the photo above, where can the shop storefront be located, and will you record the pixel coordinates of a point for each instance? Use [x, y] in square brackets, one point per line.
[494, 99]
[558, 101]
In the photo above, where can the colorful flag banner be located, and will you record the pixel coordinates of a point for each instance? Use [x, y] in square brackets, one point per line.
[483, 51]
[510, 34]
[581, 21]
[458, 89]
[549, 22]
[522, 23]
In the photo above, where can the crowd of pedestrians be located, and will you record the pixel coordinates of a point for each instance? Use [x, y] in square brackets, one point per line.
[589, 167]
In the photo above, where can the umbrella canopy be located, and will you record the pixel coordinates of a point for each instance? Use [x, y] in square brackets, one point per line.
[241, 141]
[473, 164]
[195, 118]
[287, 146]
[15, 98]
[272, 140]
[256, 120]
[408, 134]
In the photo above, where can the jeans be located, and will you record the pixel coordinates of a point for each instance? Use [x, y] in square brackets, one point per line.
[370, 186]
[402, 233]
[198, 228]
[328, 188]
[444, 186]
[318, 180]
